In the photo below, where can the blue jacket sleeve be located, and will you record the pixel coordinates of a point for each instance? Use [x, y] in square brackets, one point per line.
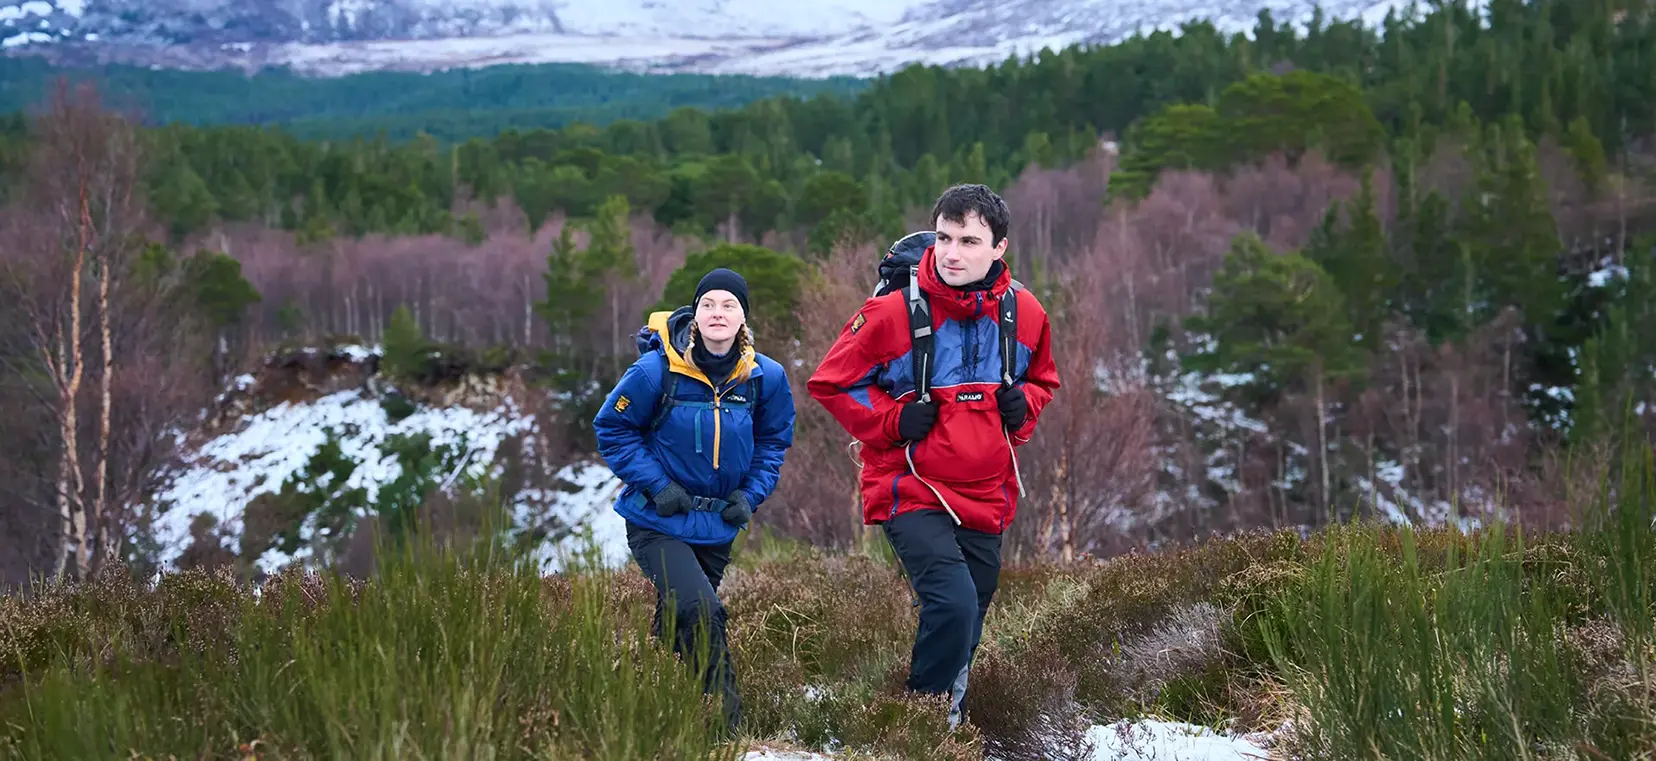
[621, 425]
[773, 434]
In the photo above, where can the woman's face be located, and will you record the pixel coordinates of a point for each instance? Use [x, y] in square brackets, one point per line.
[719, 316]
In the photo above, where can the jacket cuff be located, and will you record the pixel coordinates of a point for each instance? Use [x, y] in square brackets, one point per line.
[890, 428]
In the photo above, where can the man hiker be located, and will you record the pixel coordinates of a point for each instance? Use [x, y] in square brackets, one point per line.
[940, 377]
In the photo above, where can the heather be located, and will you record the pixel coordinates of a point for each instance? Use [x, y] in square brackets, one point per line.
[1358, 641]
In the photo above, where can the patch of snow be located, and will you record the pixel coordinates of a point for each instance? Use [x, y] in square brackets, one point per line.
[589, 509]
[1191, 394]
[224, 476]
[240, 383]
[1168, 741]
[729, 18]
[1392, 510]
[627, 53]
[1146, 740]
[778, 755]
[1558, 420]
[24, 39]
[1600, 278]
[357, 352]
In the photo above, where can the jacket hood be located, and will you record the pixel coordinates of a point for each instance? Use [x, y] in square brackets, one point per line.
[675, 327]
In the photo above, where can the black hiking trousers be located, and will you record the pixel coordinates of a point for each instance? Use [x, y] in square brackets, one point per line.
[954, 572]
[686, 578]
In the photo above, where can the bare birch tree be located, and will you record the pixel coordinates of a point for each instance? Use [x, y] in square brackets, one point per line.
[77, 217]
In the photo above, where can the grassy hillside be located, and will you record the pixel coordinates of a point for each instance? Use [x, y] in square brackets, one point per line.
[1356, 643]
[451, 105]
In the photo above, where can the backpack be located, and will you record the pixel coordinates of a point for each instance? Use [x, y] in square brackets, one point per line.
[900, 269]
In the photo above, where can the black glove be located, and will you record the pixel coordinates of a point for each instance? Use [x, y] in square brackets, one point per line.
[916, 420]
[740, 510]
[1014, 406]
[671, 499]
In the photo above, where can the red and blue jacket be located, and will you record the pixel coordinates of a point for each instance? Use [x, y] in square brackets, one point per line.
[967, 465]
[715, 438]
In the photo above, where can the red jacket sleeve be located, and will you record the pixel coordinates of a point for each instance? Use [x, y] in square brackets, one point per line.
[1040, 381]
[844, 383]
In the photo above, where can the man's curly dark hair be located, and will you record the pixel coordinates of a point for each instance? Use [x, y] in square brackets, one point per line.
[971, 197]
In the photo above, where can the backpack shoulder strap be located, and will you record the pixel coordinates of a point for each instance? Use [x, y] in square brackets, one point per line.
[669, 393]
[920, 328]
[1009, 333]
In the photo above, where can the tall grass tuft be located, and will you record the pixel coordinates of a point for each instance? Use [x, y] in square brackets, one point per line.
[443, 653]
[1493, 645]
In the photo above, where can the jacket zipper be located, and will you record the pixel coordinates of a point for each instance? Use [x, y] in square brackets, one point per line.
[971, 336]
[717, 426]
[717, 417]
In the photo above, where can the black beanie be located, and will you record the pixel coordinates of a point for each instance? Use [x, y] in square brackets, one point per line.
[723, 279]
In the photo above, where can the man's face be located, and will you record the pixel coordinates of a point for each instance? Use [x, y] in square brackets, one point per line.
[963, 251]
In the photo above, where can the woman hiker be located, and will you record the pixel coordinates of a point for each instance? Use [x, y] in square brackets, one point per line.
[696, 429]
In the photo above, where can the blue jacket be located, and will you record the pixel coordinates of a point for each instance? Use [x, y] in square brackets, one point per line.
[713, 441]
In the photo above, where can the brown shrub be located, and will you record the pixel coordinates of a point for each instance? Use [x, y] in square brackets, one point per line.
[840, 617]
[111, 619]
[912, 726]
[776, 699]
[629, 590]
[1133, 613]
[815, 639]
[202, 607]
[1024, 705]
[33, 630]
[296, 590]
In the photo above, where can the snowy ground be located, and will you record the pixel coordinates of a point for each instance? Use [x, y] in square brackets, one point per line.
[223, 476]
[590, 507]
[1122, 741]
[1168, 741]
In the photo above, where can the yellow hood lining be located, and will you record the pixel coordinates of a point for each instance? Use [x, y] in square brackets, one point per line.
[682, 365]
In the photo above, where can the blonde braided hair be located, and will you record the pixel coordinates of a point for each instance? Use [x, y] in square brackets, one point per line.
[744, 339]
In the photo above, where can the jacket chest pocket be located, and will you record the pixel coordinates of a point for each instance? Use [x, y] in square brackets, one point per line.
[716, 430]
[692, 427]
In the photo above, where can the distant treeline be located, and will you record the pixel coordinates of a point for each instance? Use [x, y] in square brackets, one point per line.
[448, 105]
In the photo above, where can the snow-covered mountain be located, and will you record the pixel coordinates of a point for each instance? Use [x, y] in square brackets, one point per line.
[802, 38]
